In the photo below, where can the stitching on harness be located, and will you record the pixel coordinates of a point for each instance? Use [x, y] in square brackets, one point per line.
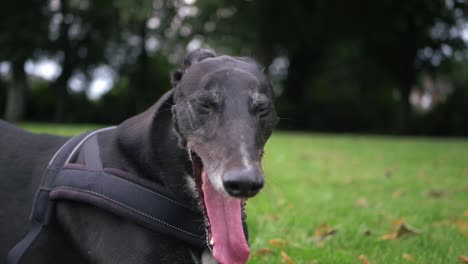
[130, 208]
[153, 192]
[139, 186]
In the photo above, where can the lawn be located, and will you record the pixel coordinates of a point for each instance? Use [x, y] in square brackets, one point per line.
[342, 199]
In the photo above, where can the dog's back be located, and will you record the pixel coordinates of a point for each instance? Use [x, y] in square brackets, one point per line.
[23, 158]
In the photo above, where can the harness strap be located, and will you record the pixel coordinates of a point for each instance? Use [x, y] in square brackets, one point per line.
[94, 185]
[19, 249]
[131, 201]
[92, 155]
[42, 212]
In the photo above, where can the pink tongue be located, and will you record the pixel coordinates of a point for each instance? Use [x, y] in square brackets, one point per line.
[230, 246]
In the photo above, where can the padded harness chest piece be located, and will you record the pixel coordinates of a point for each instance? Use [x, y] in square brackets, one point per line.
[97, 186]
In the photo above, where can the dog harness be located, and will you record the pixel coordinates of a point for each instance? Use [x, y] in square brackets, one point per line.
[110, 190]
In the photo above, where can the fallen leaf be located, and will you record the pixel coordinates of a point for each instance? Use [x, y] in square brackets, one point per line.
[321, 229]
[362, 202]
[408, 257]
[264, 251]
[464, 259]
[388, 236]
[403, 231]
[465, 213]
[397, 222]
[277, 242]
[462, 224]
[388, 173]
[462, 227]
[286, 258]
[364, 259]
[436, 193]
[331, 233]
[323, 232]
[273, 217]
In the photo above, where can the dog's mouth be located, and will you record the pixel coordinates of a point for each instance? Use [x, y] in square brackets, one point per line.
[223, 218]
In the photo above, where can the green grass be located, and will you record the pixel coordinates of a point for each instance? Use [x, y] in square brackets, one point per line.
[357, 185]
[63, 130]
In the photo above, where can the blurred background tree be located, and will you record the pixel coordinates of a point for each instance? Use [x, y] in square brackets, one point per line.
[357, 66]
[23, 30]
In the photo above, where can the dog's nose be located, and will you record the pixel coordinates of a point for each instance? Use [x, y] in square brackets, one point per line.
[243, 183]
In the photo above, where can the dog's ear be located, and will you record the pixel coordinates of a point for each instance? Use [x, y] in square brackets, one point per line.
[196, 56]
[176, 76]
[191, 58]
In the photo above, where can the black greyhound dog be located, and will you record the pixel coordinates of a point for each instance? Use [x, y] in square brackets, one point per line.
[202, 142]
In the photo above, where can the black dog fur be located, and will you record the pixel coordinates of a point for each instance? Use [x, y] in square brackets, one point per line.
[152, 145]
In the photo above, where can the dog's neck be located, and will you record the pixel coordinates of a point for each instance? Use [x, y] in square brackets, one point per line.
[151, 144]
[148, 147]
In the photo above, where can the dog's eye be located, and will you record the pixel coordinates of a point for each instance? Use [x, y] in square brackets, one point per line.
[205, 106]
[263, 110]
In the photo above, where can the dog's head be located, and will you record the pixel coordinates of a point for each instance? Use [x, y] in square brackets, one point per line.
[224, 114]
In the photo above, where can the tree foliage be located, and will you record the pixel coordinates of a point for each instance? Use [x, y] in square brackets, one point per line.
[337, 65]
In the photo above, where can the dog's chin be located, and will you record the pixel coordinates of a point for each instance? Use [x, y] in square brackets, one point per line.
[223, 216]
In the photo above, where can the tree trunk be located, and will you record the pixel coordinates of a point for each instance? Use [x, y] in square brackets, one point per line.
[294, 106]
[60, 85]
[406, 78]
[407, 75]
[16, 93]
[139, 77]
[61, 88]
[404, 115]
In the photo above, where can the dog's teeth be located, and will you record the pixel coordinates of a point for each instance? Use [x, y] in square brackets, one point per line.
[212, 241]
